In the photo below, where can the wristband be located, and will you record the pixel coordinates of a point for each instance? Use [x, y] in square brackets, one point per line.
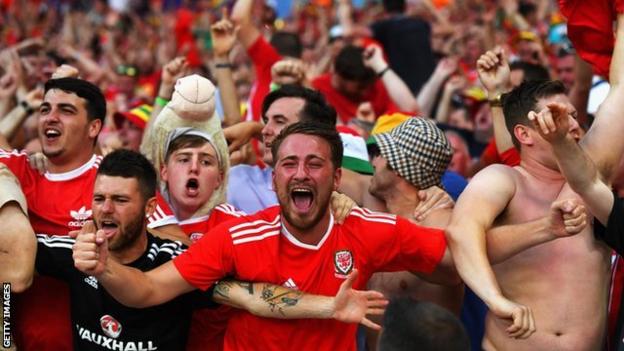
[161, 101]
[27, 108]
[496, 101]
[224, 65]
[383, 71]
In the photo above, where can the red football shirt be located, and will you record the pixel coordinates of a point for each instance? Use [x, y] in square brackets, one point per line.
[57, 204]
[208, 325]
[490, 155]
[263, 56]
[345, 107]
[259, 248]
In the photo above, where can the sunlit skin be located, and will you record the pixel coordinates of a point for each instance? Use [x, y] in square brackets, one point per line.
[282, 113]
[65, 132]
[120, 210]
[543, 153]
[384, 179]
[192, 175]
[304, 178]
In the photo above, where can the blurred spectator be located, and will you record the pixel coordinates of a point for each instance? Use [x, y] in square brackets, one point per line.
[412, 325]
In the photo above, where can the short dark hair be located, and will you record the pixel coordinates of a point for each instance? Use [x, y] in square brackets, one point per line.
[96, 103]
[184, 141]
[329, 134]
[349, 64]
[414, 325]
[130, 164]
[287, 44]
[394, 6]
[315, 109]
[532, 71]
[523, 99]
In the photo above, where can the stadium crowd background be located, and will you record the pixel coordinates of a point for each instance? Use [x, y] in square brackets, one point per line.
[124, 46]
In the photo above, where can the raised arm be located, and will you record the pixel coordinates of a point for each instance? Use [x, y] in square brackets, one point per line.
[604, 143]
[275, 301]
[579, 92]
[483, 200]
[127, 285]
[565, 218]
[494, 72]
[223, 39]
[579, 170]
[171, 72]
[242, 16]
[18, 244]
[396, 87]
[428, 94]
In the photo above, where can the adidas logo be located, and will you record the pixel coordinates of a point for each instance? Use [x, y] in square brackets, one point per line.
[79, 217]
[290, 284]
[91, 281]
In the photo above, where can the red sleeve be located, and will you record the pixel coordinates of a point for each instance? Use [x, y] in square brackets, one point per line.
[209, 259]
[490, 154]
[263, 56]
[590, 28]
[416, 248]
[396, 244]
[511, 157]
[162, 214]
[17, 162]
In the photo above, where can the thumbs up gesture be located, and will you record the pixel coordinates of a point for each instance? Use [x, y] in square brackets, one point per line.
[90, 249]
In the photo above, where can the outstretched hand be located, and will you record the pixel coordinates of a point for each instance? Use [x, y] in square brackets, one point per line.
[567, 217]
[223, 34]
[552, 123]
[352, 306]
[90, 249]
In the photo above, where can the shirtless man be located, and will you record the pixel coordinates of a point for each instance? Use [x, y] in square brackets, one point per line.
[564, 282]
[581, 173]
[426, 153]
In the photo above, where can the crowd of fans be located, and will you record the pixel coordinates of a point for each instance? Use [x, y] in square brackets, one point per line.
[416, 89]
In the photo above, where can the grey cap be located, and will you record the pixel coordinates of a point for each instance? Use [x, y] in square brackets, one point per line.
[178, 132]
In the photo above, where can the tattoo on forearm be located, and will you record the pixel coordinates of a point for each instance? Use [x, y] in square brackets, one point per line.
[248, 286]
[279, 298]
[223, 289]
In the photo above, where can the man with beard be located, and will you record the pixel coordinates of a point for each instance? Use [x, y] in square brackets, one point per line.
[296, 244]
[124, 193]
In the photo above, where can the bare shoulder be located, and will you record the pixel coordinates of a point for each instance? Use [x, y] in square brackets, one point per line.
[494, 177]
[487, 194]
[438, 218]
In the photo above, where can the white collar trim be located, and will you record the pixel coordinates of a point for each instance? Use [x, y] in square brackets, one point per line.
[296, 242]
[58, 177]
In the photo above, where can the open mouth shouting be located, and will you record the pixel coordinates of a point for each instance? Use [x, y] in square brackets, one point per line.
[51, 134]
[109, 227]
[192, 187]
[302, 198]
